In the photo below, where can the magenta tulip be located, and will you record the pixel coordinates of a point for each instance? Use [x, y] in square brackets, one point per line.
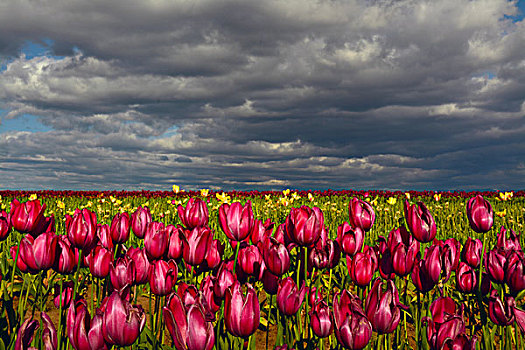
[361, 214]
[236, 220]
[140, 220]
[480, 214]
[501, 312]
[122, 322]
[142, 264]
[27, 217]
[188, 326]
[162, 277]
[5, 225]
[352, 328]
[466, 278]
[65, 258]
[515, 272]
[120, 228]
[67, 295]
[471, 253]
[495, 261]
[289, 296]
[427, 271]
[225, 279]
[511, 243]
[104, 236]
[100, 262]
[420, 222]
[175, 241]
[383, 307]
[304, 225]
[82, 228]
[196, 244]
[194, 215]
[321, 319]
[122, 273]
[350, 239]
[78, 325]
[361, 267]
[241, 312]
[156, 240]
[26, 333]
[276, 256]
[250, 259]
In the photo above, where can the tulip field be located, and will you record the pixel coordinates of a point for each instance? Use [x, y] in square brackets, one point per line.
[202, 270]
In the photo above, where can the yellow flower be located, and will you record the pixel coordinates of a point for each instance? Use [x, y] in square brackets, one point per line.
[373, 201]
[295, 195]
[407, 195]
[176, 189]
[205, 192]
[61, 205]
[268, 197]
[506, 196]
[33, 197]
[502, 214]
[391, 200]
[310, 197]
[284, 201]
[286, 192]
[223, 197]
[437, 197]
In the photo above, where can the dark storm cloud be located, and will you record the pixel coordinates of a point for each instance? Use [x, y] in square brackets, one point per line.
[264, 94]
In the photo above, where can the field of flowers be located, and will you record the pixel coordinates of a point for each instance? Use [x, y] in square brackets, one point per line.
[262, 270]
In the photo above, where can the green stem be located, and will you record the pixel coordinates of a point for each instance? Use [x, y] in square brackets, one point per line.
[236, 255]
[60, 319]
[305, 334]
[14, 268]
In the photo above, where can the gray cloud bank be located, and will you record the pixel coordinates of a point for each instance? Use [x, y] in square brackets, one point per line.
[264, 94]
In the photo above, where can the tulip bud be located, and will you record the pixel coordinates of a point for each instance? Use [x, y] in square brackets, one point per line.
[5, 225]
[142, 264]
[480, 214]
[122, 273]
[321, 320]
[383, 307]
[236, 220]
[162, 277]
[304, 225]
[420, 222]
[65, 258]
[123, 322]
[289, 297]
[495, 261]
[27, 217]
[140, 220]
[214, 255]
[194, 215]
[156, 240]
[352, 328]
[501, 313]
[196, 244]
[276, 256]
[250, 259]
[241, 312]
[466, 278]
[361, 214]
[471, 253]
[120, 228]
[361, 267]
[175, 241]
[67, 295]
[82, 228]
[350, 239]
[100, 262]
[515, 272]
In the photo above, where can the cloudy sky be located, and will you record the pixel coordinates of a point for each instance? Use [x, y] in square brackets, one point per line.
[361, 94]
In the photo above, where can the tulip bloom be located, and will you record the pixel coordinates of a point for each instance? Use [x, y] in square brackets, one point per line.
[67, 295]
[78, 324]
[123, 322]
[304, 225]
[96, 331]
[321, 319]
[241, 312]
[142, 264]
[383, 307]
[350, 239]
[188, 326]
[65, 257]
[120, 228]
[352, 328]
[471, 253]
[194, 215]
[5, 225]
[27, 217]
[250, 259]
[175, 241]
[480, 214]
[100, 262]
[225, 279]
[82, 228]
[501, 313]
[140, 220]
[236, 220]
[362, 267]
[449, 256]
[441, 308]
[276, 256]
[289, 297]
[162, 277]
[495, 262]
[214, 255]
[270, 281]
[361, 214]
[36, 254]
[122, 273]
[196, 244]
[326, 256]
[427, 271]
[26, 333]
[466, 278]
[156, 240]
[515, 272]
[49, 333]
[506, 244]
[420, 222]
[104, 236]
